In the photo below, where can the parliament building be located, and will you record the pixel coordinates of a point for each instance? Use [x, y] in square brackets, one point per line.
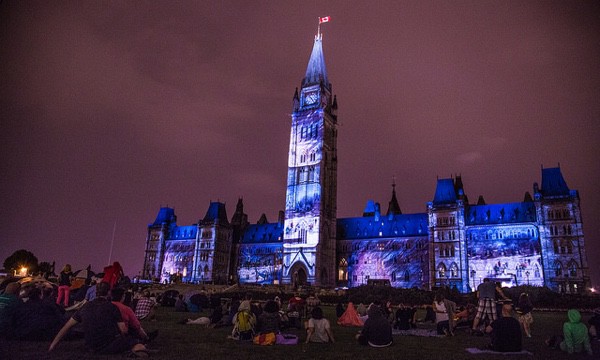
[537, 241]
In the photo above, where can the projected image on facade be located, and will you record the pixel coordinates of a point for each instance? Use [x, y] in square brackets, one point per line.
[403, 267]
[303, 199]
[260, 264]
[511, 260]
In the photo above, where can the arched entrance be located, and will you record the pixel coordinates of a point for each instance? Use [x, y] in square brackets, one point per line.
[299, 275]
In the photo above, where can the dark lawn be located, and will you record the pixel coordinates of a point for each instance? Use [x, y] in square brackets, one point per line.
[177, 341]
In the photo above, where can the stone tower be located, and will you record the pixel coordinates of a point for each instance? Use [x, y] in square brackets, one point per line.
[309, 246]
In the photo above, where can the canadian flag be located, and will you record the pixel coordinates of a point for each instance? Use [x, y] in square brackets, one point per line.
[324, 19]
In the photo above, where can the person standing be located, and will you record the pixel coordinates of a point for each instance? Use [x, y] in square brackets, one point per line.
[64, 285]
[486, 292]
[444, 314]
[524, 309]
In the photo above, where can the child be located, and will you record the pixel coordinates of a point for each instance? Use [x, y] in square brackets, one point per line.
[524, 308]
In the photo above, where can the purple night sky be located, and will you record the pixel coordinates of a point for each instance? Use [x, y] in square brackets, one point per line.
[111, 109]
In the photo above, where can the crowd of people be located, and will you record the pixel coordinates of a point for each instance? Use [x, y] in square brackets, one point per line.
[109, 314]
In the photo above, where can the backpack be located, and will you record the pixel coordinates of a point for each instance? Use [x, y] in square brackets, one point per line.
[244, 326]
[245, 321]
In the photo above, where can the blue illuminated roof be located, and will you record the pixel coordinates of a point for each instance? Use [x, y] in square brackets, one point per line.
[263, 233]
[553, 183]
[183, 232]
[445, 193]
[216, 211]
[315, 71]
[165, 215]
[500, 213]
[386, 226]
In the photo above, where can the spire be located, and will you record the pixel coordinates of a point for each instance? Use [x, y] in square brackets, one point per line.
[393, 207]
[315, 71]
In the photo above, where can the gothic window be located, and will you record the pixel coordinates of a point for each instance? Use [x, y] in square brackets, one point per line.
[453, 270]
[569, 230]
[393, 276]
[406, 276]
[573, 269]
[536, 271]
[558, 268]
[569, 247]
[441, 271]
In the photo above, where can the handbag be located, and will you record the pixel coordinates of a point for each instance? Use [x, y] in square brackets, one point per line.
[286, 339]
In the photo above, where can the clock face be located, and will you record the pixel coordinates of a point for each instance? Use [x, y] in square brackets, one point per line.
[311, 98]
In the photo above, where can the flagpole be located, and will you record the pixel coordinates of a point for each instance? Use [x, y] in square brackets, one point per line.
[319, 28]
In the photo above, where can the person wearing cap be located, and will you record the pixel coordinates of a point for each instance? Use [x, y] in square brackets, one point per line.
[505, 331]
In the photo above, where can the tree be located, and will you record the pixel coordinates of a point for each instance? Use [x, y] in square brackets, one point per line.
[45, 268]
[21, 258]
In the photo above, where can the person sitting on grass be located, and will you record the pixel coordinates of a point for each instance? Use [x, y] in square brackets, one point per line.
[575, 337]
[486, 306]
[37, 319]
[377, 331]
[318, 328]
[133, 325]
[269, 320]
[9, 302]
[244, 322]
[145, 307]
[180, 304]
[506, 331]
[104, 330]
[594, 324]
[405, 317]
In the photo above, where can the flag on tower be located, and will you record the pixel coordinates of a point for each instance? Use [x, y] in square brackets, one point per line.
[324, 19]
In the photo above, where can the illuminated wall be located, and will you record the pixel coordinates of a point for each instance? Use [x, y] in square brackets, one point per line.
[508, 254]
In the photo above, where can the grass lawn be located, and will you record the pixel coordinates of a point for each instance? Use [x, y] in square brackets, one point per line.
[177, 341]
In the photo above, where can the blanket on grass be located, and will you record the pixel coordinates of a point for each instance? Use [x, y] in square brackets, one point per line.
[485, 351]
[416, 332]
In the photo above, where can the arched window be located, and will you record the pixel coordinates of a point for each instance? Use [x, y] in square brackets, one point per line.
[406, 276]
[441, 271]
[453, 270]
[558, 268]
[572, 269]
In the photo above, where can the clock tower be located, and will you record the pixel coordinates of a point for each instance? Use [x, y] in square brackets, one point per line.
[309, 240]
